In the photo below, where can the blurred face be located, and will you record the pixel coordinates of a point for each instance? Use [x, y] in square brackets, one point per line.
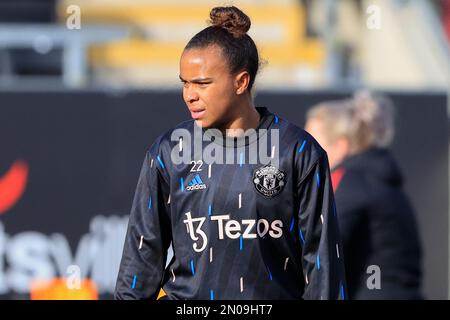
[337, 149]
[208, 87]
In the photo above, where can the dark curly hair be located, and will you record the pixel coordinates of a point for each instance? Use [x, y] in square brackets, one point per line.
[228, 30]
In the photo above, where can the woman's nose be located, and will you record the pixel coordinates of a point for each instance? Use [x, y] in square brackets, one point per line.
[190, 94]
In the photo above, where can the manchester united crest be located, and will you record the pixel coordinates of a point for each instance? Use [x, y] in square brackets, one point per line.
[269, 181]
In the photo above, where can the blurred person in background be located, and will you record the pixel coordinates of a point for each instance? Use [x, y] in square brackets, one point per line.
[376, 221]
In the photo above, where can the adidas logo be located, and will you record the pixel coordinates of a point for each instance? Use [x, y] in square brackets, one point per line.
[196, 184]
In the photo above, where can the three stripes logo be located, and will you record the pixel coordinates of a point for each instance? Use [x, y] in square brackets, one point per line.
[196, 184]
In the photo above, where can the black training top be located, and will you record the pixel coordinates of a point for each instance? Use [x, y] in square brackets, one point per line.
[249, 229]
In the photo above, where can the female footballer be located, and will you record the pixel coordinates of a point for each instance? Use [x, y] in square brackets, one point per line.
[247, 226]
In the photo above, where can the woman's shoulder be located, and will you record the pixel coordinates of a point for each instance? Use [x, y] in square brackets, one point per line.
[363, 188]
[166, 140]
[354, 186]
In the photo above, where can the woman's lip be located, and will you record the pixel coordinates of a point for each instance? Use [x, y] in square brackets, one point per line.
[197, 114]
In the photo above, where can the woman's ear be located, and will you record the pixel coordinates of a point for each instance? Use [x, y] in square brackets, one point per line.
[242, 80]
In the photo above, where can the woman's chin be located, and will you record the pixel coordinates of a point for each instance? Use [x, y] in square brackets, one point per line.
[202, 123]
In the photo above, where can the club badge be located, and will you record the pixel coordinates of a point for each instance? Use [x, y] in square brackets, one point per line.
[269, 181]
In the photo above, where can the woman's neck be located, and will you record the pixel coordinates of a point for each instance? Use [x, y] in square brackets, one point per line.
[248, 118]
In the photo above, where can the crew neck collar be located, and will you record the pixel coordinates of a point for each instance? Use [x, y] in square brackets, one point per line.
[266, 118]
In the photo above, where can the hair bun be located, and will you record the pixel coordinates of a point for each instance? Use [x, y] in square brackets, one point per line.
[232, 19]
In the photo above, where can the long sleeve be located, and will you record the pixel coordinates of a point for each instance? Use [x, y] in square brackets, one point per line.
[148, 235]
[322, 258]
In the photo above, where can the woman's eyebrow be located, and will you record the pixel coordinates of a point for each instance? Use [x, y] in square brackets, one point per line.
[196, 80]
